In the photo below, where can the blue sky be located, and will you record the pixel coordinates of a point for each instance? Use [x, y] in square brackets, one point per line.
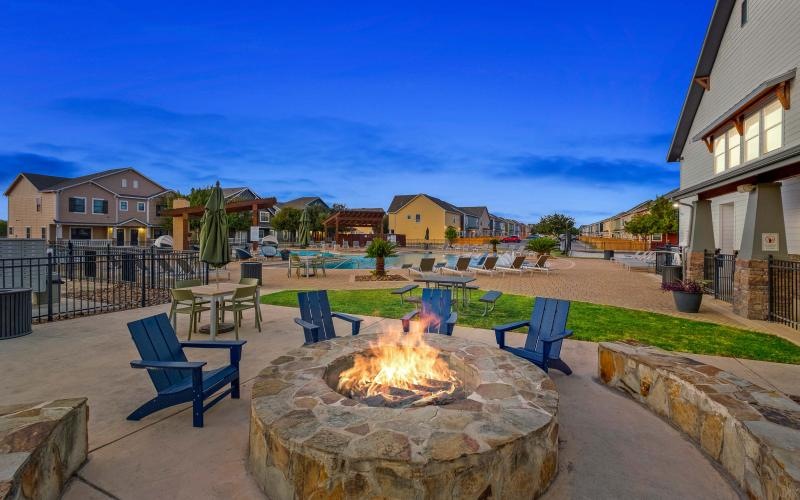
[526, 107]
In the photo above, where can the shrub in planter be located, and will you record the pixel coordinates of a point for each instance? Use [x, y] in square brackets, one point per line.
[687, 294]
[542, 245]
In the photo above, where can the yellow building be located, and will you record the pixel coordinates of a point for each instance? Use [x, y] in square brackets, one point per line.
[416, 215]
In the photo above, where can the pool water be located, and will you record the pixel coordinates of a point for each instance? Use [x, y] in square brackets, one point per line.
[345, 261]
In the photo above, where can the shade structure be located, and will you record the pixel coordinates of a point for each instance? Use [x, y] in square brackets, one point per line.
[214, 247]
[304, 231]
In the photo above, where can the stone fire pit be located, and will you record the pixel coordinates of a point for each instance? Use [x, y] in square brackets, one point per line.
[498, 439]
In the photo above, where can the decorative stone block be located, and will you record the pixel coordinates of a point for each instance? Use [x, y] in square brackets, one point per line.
[41, 446]
[499, 441]
[752, 432]
[751, 289]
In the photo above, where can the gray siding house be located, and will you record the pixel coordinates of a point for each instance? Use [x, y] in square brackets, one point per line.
[738, 144]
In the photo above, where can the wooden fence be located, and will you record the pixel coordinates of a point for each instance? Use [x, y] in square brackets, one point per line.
[615, 244]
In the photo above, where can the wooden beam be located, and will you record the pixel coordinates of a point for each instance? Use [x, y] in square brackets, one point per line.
[738, 122]
[709, 142]
[704, 81]
[783, 94]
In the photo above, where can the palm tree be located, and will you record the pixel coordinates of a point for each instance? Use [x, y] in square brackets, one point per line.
[379, 249]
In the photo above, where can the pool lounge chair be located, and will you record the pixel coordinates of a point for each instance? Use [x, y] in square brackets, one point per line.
[517, 266]
[488, 266]
[425, 266]
[461, 267]
[540, 264]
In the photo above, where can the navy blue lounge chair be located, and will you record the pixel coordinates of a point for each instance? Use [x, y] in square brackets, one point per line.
[177, 380]
[316, 317]
[243, 254]
[546, 331]
[435, 306]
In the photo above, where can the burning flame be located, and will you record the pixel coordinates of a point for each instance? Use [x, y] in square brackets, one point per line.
[400, 368]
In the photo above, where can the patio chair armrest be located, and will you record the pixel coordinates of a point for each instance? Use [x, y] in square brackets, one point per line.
[355, 322]
[168, 365]
[556, 338]
[451, 322]
[500, 331]
[306, 325]
[406, 320]
[213, 344]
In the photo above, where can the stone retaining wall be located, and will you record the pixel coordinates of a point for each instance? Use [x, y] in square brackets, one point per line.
[41, 446]
[753, 433]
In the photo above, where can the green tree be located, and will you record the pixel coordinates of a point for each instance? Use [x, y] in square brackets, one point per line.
[640, 225]
[555, 224]
[287, 219]
[3, 228]
[379, 249]
[664, 216]
[450, 234]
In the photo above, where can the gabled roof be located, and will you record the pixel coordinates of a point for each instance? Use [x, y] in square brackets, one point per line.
[41, 181]
[230, 192]
[708, 55]
[474, 211]
[302, 202]
[401, 200]
[74, 181]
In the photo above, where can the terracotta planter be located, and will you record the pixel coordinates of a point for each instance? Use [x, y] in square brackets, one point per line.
[687, 302]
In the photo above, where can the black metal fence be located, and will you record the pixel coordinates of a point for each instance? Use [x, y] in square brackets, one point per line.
[718, 272]
[784, 285]
[90, 280]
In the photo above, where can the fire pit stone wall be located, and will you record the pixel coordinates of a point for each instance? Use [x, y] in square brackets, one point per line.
[309, 441]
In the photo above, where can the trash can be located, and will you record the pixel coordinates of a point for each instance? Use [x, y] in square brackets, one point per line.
[608, 254]
[16, 312]
[671, 274]
[251, 270]
[285, 254]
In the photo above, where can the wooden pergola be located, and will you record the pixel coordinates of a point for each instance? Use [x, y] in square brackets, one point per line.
[356, 217]
[181, 215]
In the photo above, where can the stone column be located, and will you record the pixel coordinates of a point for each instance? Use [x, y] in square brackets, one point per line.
[180, 226]
[751, 277]
[701, 239]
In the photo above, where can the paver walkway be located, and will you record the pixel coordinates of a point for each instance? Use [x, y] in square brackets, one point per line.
[611, 447]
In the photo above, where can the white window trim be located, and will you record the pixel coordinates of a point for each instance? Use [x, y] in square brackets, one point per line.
[120, 205]
[77, 198]
[781, 123]
[263, 216]
[98, 199]
[143, 204]
[124, 182]
[135, 183]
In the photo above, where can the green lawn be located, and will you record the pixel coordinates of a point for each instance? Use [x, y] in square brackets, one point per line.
[589, 321]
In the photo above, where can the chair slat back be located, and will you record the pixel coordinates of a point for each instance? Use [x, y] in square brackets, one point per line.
[244, 292]
[315, 309]
[490, 262]
[156, 341]
[248, 281]
[518, 261]
[426, 264]
[436, 303]
[181, 295]
[187, 283]
[549, 318]
[462, 263]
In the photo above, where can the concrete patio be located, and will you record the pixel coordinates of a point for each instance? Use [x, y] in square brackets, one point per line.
[611, 447]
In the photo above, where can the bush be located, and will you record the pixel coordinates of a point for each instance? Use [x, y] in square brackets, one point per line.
[688, 286]
[542, 245]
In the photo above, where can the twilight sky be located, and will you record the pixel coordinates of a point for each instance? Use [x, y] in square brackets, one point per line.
[526, 107]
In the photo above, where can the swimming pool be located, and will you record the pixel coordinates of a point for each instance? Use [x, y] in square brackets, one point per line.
[346, 261]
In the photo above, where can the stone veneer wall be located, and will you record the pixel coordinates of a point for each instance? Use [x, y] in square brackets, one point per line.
[695, 266]
[753, 433]
[41, 446]
[751, 289]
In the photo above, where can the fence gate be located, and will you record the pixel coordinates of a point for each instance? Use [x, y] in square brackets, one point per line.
[718, 271]
[784, 284]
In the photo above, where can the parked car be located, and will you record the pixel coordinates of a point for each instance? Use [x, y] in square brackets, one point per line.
[511, 239]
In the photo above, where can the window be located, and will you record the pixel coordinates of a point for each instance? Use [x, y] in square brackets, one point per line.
[744, 13]
[655, 237]
[773, 126]
[124, 183]
[99, 206]
[418, 218]
[734, 148]
[752, 126]
[719, 154]
[80, 233]
[10, 230]
[28, 232]
[135, 184]
[44, 233]
[77, 205]
[263, 216]
[38, 204]
[140, 206]
[123, 205]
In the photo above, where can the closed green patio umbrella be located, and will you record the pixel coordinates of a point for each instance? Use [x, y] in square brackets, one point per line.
[303, 232]
[214, 247]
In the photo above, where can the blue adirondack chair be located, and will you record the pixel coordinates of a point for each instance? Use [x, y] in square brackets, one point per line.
[316, 317]
[177, 380]
[435, 305]
[546, 331]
